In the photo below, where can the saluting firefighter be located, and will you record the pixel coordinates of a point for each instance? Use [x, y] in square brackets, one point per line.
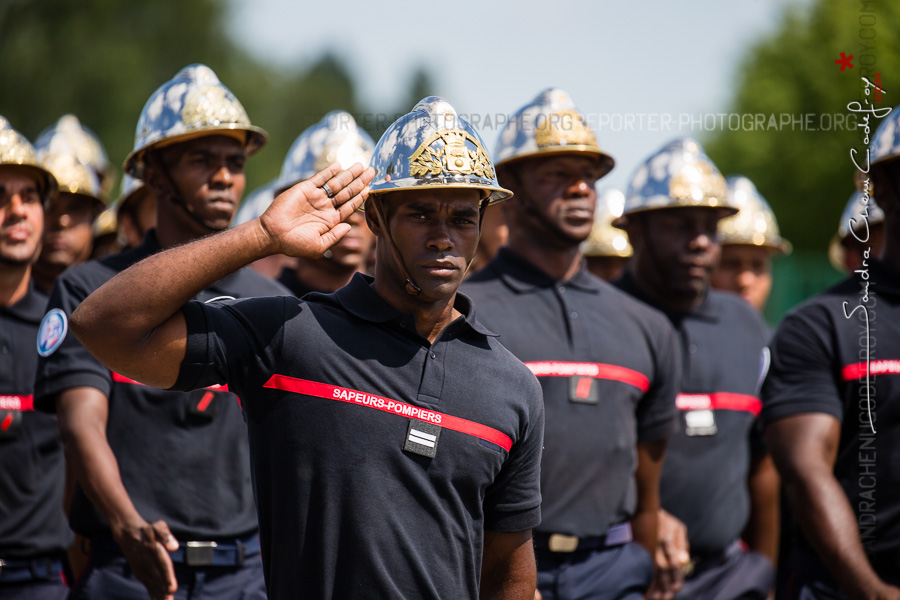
[395, 443]
[164, 491]
[608, 365]
[33, 529]
[718, 482]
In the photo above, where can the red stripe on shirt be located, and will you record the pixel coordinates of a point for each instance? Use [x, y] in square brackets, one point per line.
[122, 379]
[16, 402]
[719, 401]
[876, 367]
[332, 392]
[558, 368]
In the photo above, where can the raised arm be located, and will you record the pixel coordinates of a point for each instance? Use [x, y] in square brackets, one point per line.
[133, 324]
[804, 448]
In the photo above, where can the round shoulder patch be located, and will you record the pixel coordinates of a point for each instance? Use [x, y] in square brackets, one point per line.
[52, 332]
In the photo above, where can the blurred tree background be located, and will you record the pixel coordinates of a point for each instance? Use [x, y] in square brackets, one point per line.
[807, 176]
[101, 60]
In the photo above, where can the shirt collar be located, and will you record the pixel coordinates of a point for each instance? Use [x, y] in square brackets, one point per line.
[360, 299]
[30, 307]
[522, 276]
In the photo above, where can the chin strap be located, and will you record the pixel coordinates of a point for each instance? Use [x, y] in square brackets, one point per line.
[411, 288]
[152, 158]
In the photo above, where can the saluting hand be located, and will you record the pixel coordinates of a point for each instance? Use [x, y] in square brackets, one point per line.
[308, 218]
[146, 548]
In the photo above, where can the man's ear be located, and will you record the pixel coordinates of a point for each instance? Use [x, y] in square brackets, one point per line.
[372, 220]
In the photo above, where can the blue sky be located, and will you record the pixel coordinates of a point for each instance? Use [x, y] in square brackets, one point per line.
[642, 72]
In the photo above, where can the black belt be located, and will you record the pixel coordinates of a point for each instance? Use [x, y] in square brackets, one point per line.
[558, 542]
[231, 553]
[701, 563]
[29, 569]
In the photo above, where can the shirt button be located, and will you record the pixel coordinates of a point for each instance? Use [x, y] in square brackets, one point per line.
[433, 355]
[573, 314]
[692, 348]
[5, 350]
[561, 289]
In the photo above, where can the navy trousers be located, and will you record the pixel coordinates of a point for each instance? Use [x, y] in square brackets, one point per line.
[621, 572]
[735, 575]
[108, 576]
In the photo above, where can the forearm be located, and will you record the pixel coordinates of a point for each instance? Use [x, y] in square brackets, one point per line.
[762, 530]
[644, 528]
[645, 522]
[92, 461]
[508, 569]
[827, 520]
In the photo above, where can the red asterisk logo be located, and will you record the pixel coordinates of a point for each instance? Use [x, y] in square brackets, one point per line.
[844, 61]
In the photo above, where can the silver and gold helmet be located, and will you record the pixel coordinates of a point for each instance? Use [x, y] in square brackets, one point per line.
[550, 124]
[192, 104]
[433, 147]
[73, 176]
[680, 175]
[606, 240]
[17, 151]
[256, 203]
[335, 138]
[857, 216]
[69, 136]
[885, 146]
[755, 224]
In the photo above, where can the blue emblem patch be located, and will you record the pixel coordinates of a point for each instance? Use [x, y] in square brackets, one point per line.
[52, 332]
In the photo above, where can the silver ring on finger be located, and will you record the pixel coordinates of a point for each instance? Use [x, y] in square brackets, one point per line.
[328, 191]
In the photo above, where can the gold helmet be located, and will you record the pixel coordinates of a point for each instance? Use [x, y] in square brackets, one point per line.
[755, 224]
[860, 214]
[335, 138]
[194, 103]
[680, 175]
[606, 240]
[69, 136]
[17, 151]
[73, 176]
[433, 147]
[550, 124]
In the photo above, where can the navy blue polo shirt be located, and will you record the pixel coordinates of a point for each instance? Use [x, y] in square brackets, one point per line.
[609, 369]
[839, 354]
[32, 467]
[724, 357]
[379, 459]
[182, 456]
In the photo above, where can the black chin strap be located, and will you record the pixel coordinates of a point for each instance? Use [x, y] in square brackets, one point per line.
[411, 288]
[152, 158]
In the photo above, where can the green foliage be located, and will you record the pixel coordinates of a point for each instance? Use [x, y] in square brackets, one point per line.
[806, 175]
[102, 59]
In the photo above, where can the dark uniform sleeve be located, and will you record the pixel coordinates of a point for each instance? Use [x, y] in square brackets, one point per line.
[231, 341]
[801, 378]
[656, 413]
[513, 500]
[70, 365]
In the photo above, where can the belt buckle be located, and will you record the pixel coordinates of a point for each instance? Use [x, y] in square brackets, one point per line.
[2, 564]
[199, 554]
[560, 542]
